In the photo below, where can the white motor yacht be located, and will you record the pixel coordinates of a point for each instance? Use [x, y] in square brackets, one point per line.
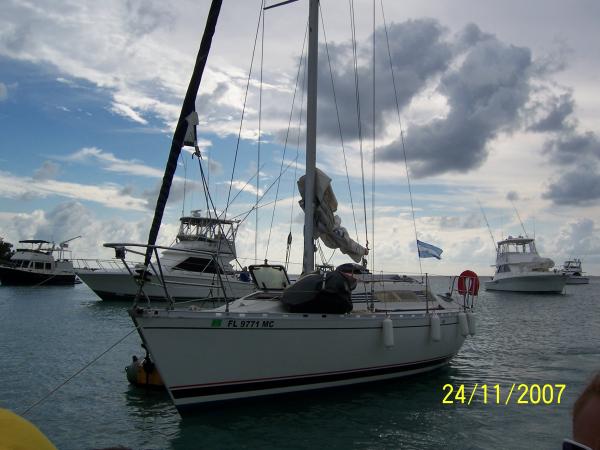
[520, 268]
[197, 267]
[37, 266]
[572, 269]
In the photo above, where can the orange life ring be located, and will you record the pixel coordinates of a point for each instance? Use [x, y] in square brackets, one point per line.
[468, 282]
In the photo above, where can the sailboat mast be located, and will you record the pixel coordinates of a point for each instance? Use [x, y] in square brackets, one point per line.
[311, 138]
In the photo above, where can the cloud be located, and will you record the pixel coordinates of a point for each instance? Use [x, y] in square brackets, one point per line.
[570, 147]
[3, 91]
[578, 186]
[69, 219]
[579, 238]
[48, 170]
[109, 195]
[110, 162]
[418, 53]
[470, 221]
[127, 111]
[512, 196]
[485, 95]
[558, 110]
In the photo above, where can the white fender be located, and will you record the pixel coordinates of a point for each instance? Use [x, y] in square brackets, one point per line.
[472, 320]
[463, 325]
[388, 332]
[436, 328]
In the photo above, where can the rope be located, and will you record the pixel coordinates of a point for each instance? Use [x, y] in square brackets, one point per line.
[412, 207]
[78, 372]
[337, 112]
[357, 91]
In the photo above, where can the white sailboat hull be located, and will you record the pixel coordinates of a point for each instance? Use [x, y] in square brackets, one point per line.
[113, 285]
[528, 282]
[282, 353]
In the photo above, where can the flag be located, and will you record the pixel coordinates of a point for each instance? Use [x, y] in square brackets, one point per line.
[428, 251]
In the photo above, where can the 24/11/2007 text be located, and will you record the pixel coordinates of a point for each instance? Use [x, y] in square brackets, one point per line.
[524, 394]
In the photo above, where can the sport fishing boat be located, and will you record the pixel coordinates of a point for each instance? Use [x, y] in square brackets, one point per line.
[36, 265]
[307, 335]
[519, 268]
[192, 269]
[572, 269]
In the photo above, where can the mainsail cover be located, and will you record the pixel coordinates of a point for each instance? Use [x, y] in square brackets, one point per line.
[328, 226]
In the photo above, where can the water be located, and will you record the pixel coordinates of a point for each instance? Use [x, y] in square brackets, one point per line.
[48, 334]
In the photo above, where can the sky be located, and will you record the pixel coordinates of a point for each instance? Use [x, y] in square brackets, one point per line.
[497, 102]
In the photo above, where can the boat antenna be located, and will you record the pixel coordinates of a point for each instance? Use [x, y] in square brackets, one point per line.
[519, 217]
[188, 108]
[488, 225]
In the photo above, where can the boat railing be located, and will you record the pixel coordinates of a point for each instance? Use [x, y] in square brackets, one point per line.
[466, 288]
[101, 264]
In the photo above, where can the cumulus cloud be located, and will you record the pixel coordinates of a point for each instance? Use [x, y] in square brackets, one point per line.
[557, 110]
[69, 219]
[579, 238]
[578, 186]
[418, 52]
[108, 161]
[47, 171]
[12, 186]
[485, 95]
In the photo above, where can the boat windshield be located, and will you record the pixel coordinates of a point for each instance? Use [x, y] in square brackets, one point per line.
[517, 247]
[269, 277]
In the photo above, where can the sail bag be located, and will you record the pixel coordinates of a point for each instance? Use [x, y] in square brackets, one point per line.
[328, 226]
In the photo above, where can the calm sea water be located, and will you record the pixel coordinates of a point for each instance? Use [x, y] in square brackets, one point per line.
[48, 334]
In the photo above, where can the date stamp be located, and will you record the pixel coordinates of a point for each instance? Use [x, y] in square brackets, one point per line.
[517, 393]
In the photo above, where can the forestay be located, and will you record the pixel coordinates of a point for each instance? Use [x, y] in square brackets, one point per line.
[328, 226]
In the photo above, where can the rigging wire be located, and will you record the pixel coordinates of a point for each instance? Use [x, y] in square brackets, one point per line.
[237, 145]
[184, 163]
[260, 92]
[221, 230]
[337, 112]
[373, 160]
[357, 91]
[412, 207]
[300, 117]
[286, 141]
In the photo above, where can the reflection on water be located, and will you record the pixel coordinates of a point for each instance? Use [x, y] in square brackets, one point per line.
[49, 334]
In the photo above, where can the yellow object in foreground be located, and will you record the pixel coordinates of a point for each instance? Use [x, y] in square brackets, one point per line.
[17, 433]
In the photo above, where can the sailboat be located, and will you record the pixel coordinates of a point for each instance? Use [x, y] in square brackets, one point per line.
[289, 337]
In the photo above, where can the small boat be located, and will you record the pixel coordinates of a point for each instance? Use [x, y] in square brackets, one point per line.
[191, 268]
[519, 268]
[36, 265]
[572, 269]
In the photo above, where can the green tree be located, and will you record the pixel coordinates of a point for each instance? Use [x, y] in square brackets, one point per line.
[5, 250]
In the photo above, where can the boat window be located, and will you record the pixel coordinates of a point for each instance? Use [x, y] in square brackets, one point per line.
[39, 265]
[503, 268]
[48, 266]
[199, 265]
